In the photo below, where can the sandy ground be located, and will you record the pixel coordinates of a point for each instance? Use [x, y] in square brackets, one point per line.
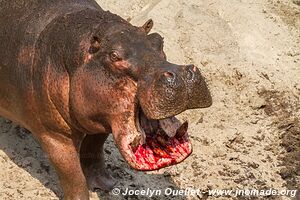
[249, 52]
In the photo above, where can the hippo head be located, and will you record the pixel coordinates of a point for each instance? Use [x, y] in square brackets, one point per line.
[127, 87]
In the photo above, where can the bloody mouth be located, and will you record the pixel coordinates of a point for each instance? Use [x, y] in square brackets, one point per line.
[165, 142]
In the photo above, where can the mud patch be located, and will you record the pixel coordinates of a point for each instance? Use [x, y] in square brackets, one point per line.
[290, 140]
[297, 2]
[284, 112]
[278, 103]
[289, 11]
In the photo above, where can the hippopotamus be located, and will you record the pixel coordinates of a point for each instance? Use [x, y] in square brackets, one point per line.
[72, 73]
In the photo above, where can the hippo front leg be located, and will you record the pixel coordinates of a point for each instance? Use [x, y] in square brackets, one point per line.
[64, 156]
[93, 163]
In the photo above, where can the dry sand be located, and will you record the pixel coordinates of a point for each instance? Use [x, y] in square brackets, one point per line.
[249, 52]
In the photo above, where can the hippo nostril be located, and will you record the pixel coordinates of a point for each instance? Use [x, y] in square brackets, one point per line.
[190, 75]
[191, 69]
[170, 76]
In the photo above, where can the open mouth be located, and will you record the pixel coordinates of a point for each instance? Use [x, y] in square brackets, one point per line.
[165, 142]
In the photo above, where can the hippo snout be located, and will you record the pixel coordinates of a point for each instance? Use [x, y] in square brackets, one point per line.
[174, 89]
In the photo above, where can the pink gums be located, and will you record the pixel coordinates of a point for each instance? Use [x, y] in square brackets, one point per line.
[156, 154]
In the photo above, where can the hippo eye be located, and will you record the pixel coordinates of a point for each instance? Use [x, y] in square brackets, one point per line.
[114, 56]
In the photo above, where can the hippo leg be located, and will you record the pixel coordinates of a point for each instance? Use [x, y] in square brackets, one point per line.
[93, 163]
[64, 156]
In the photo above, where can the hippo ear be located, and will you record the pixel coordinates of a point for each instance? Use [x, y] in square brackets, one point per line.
[148, 26]
[95, 45]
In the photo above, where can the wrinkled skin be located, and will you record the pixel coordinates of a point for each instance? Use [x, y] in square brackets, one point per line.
[72, 73]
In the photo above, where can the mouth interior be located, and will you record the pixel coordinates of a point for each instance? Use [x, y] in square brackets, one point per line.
[165, 142]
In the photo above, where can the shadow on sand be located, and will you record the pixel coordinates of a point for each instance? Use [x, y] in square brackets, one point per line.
[21, 148]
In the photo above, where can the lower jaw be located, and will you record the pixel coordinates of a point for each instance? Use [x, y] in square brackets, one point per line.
[146, 160]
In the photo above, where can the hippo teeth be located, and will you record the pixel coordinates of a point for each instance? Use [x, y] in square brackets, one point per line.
[170, 126]
[182, 130]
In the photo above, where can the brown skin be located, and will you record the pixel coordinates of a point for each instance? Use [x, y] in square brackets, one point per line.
[72, 73]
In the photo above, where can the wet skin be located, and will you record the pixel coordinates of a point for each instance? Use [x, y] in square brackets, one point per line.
[72, 73]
